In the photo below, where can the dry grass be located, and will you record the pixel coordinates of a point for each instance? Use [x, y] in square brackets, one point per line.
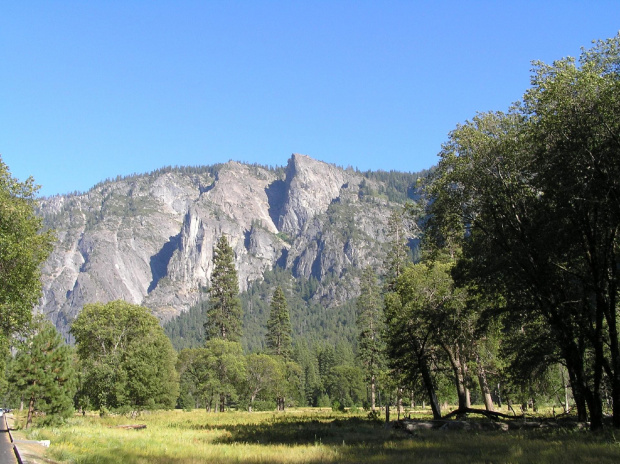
[307, 436]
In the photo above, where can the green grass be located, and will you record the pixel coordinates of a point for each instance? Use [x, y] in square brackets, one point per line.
[307, 436]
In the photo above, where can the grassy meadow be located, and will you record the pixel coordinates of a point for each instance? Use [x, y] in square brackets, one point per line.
[306, 436]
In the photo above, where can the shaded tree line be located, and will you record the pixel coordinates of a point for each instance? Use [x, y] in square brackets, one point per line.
[520, 271]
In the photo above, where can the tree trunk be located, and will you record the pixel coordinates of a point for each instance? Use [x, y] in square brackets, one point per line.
[251, 403]
[566, 385]
[430, 389]
[499, 396]
[614, 349]
[280, 402]
[595, 406]
[222, 403]
[459, 370]
[574, 365]
[580, 403]
[30, 411]
[399, 401]
[484, 386]
[372, 392]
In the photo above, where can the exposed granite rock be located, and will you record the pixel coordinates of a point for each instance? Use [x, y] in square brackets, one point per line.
[149, 239]
[311, 186]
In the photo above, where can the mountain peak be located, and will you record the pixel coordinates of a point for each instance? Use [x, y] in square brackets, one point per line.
[149, 239]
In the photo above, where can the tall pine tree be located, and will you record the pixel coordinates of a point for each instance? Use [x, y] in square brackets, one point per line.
[371, 349]
[397, 259]
[279, 338]
[398, 255]
[224, 316]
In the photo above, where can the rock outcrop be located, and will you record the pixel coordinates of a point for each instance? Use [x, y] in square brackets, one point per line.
[149, 239]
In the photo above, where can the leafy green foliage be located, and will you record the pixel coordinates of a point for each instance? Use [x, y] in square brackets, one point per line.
[126, 358]
[264, 374]
[532, 196]
[24, 246]
[423, 303]
[213, 375]
[310, 320]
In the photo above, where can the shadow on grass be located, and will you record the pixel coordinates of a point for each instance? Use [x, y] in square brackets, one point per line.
[295, 431]
[360, 440]
[314, 439]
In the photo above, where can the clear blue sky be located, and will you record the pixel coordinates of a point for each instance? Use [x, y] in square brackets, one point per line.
[93, 89]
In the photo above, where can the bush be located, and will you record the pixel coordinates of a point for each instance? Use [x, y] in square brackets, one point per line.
[323, 401]
[336, 406]
[264, 405]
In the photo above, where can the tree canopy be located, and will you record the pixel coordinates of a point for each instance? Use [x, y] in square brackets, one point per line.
[127, 360]
[532, 196]
[24, 246]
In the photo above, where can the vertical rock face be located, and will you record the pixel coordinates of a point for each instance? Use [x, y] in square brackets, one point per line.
[311, 186]
[149, 239]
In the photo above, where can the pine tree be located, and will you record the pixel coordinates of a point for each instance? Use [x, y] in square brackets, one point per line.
[397, 259]
[224, 316]
[398, 254]
[43, 373]
[371, 349]
[279, 338]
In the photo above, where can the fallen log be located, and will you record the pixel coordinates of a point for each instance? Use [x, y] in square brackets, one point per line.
[490, 414]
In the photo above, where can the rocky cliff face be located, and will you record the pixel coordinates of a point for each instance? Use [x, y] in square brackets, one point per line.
[149, 239]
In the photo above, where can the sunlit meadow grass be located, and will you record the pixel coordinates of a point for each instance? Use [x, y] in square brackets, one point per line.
[306, 436]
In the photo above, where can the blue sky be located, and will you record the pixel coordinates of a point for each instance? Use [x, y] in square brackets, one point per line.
[92, 90]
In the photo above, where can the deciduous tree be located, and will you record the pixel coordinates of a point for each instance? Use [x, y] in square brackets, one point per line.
[536, 191]
[24, 246]
[263, 375]
[226, 365]
[127, 359]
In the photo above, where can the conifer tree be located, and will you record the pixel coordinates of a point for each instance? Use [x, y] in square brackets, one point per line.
[370, 325]
[224, 316]
[43, 373]
[279, 338]
[398, 254]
